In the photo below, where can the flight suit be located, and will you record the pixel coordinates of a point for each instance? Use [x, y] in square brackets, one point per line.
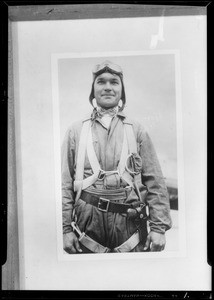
[108, 228]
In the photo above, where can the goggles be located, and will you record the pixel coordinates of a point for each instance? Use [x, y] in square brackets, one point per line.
[107, 66]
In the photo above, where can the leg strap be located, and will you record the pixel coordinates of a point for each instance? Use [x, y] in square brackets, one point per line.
[130, 244]
[88, 242]
[95, 247]
[92, 245]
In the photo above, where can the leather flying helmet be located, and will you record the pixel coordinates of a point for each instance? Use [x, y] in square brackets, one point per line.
[108, 67]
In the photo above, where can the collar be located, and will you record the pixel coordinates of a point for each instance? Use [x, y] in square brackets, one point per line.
[111, 112]
[95, 116]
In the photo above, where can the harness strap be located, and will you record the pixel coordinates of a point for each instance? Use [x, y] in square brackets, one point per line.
[96, 166]
[132, 146]
[96, 247]
[124, 153]
[131, 138]
[88, 242]
[130, 244]
[93, 162]
[129, 146]
[86, 142]
[81, 158]
[127, 135]
[92, 245]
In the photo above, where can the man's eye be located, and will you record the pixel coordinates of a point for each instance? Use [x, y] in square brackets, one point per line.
[115, 82]
[100, 82]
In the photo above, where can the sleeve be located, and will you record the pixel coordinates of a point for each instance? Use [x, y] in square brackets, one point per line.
[67, 171]
[152, 177]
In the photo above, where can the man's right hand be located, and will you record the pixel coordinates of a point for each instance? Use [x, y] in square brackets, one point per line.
[71, 243]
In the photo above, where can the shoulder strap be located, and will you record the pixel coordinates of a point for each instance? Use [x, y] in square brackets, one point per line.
[93, 162]
[132, 144]
[81, 157]
[129, 146]
[85, 143]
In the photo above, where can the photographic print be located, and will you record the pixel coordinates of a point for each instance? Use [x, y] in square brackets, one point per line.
[149, 89]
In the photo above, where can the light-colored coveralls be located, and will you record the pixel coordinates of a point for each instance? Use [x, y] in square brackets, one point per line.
[108, 228]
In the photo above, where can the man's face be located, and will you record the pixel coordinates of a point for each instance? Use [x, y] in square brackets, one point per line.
[107, 90]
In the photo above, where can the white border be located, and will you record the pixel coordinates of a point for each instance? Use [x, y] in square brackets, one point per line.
[57, 154]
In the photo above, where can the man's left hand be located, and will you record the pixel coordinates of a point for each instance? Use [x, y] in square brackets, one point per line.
[156, 240]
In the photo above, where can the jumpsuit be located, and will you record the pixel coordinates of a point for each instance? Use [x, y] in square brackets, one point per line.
[111, 229]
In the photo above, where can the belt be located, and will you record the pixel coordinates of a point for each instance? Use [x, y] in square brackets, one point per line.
[96, 247]
[107, 202]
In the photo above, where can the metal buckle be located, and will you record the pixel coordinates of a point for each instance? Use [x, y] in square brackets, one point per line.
[101, 202]
[76, 228]
[103, 173]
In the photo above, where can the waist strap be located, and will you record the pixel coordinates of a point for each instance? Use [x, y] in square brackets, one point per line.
[96, 247]
[107, 202]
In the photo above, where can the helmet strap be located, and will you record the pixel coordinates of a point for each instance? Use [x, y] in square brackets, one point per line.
[94, 103]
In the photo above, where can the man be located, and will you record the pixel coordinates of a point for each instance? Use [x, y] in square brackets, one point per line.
[112, 184]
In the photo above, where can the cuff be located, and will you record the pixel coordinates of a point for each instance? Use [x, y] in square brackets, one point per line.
[158, 228]
[67, 229]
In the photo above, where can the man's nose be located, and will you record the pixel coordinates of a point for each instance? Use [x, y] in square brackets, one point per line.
[108, 86]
